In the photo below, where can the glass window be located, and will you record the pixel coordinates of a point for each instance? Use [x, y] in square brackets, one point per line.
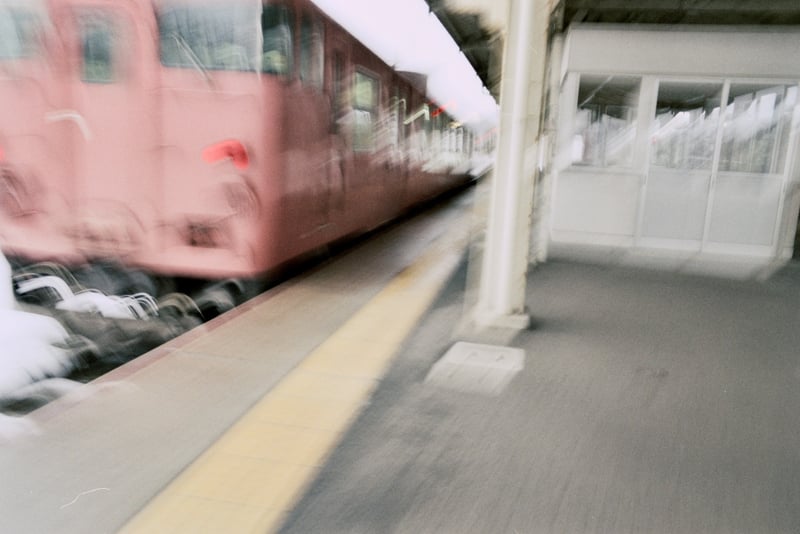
[98, 39]
[400, 113]
[215, 36]
[436, 130]
[756, 128]
[605, 123]
[365, 106]
[685, 128]
[365, 92]
[311, 52]
[338, 100]
[21, 30]
[389, 128]
[276, 56]
[363, 138]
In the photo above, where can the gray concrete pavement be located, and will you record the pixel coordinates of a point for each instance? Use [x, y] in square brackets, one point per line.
[650, 402]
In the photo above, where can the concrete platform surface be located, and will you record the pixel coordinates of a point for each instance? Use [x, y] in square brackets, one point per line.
[92, 460]
[649, 402]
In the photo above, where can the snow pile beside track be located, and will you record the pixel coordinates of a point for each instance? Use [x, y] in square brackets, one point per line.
[29, 349]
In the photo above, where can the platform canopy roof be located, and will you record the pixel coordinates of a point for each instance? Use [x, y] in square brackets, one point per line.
[704, 12]
[476, 24]
[409, 37]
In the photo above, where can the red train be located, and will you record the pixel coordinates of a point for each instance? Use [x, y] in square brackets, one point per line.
[209, 139]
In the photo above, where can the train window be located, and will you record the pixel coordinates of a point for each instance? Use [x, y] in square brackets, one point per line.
[365, 91]
[390, 135]
[365, 106]
[311, 52]
[338, 99]
[217, 36]
[399, 114]
[435, 130]
[276, 54]
[97, 48]
[20, 31]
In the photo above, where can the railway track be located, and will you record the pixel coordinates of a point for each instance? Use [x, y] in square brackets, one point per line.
[61, 328]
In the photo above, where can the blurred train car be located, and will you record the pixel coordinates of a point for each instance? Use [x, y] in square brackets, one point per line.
[211, 139]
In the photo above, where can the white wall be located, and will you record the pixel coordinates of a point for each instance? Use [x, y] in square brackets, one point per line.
[708, 51]
[607, 205]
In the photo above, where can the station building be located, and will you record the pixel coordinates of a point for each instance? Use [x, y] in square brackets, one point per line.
[679, 137]
[665, 126]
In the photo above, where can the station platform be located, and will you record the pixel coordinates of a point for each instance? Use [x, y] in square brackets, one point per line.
[649, 401]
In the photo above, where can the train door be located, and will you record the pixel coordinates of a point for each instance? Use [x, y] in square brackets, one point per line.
[307, 140]
[109, 88]
[368, 176]
[34, 178]
[398, 150]
[341, 161]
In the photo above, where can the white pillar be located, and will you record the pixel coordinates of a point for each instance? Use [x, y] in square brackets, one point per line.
[501, 298]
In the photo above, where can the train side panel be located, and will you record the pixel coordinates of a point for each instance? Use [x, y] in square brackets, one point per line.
[217, 139]
[37, 189]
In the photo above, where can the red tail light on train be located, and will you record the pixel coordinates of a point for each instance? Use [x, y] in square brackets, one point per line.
[229, 149]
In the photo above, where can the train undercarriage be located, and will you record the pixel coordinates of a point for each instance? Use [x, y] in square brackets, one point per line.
[62, 327]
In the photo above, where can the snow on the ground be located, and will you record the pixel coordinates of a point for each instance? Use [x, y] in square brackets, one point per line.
[27, 351]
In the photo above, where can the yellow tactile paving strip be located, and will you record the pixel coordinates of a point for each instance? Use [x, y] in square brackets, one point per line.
[250, 479]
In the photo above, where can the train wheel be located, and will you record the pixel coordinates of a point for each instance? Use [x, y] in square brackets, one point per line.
[114, 279]
[220, 297]
[178, 305]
